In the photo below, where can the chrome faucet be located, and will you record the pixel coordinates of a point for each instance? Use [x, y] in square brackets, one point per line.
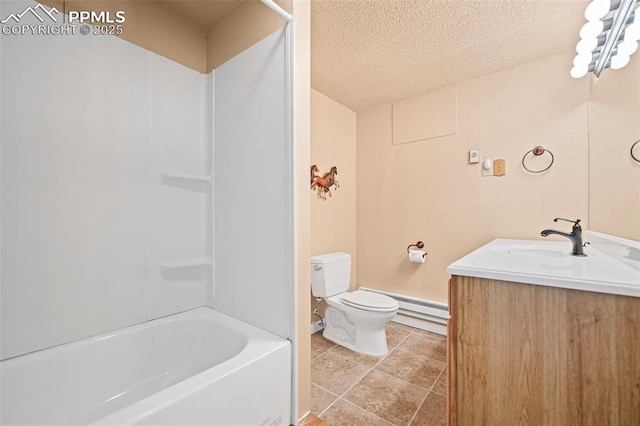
[575, 236]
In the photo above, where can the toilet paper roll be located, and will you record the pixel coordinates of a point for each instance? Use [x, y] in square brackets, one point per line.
[417, 256]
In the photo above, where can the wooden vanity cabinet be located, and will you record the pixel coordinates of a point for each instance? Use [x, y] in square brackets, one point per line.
[522, 354]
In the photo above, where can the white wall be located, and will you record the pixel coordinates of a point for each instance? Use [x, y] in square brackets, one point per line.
[252, 189]
[88, 123]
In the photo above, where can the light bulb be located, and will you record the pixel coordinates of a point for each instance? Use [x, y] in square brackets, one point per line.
[597, 9]
[586, 45]
[627, 47]
[619, 61]
[583, 59]
[591, 29]
[579, 71]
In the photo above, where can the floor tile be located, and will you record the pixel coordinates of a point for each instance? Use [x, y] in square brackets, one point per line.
[388, 397]
[318, 340]
[320, 399]
[441, 384]
[344, 414]
[366, 360]
[431, 345]
[396, 333]
[335, 373]
[413, 367]
[316, 351]
[320, 345]
[433, 411]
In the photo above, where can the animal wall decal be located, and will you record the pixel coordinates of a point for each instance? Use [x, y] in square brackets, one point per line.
[322, 184]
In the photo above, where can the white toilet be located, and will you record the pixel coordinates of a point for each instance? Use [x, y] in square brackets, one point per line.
[354, 320]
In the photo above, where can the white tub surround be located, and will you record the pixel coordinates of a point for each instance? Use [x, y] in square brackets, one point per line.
[253, 201]
[198, 367]
[612, 264]
[127, 180]
[106, 157]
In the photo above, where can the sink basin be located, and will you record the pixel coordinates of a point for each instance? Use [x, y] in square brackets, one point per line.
[608, 268]
[530, 251]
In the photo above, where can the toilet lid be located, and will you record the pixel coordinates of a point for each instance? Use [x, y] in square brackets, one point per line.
[369, 300]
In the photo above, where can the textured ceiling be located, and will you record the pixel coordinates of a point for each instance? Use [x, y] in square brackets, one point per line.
[369, 52]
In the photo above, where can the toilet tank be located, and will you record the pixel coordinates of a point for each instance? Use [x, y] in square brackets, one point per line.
[330, 274]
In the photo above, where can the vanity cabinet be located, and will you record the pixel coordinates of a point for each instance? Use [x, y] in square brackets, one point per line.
[524, 354]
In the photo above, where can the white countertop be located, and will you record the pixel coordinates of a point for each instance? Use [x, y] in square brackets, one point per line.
[612, 264]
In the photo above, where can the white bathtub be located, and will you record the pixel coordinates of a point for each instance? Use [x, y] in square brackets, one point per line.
[195, 368]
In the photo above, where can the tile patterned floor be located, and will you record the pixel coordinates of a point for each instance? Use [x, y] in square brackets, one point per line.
[405, 387]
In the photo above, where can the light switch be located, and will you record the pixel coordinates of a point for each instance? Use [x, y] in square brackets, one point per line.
[499, 167]
[474, 156]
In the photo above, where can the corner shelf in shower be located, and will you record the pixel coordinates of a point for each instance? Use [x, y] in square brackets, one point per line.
[189, 263]
[193, 178]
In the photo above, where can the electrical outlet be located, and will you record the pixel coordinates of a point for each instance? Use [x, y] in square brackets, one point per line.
[487, 167]
[474, 156]
[499, 168]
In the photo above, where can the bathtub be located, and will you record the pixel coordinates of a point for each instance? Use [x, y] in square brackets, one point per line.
[194, 368]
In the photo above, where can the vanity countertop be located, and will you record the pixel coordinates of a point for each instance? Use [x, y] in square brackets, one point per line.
[612, 264]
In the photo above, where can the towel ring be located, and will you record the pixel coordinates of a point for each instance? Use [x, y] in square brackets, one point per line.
[631, 151]
[537, 151]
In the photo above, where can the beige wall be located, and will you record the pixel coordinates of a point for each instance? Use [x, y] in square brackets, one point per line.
[154, 27]
[427, 190]
[302, 214]
[240, 29]
[614, 177]
[333, 143]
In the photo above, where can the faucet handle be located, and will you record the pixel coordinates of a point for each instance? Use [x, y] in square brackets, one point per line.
[575, 222]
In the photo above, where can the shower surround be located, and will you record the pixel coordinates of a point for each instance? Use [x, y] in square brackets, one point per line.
[128, 195]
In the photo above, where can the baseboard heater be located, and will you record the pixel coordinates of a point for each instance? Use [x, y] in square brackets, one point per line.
[419, 313]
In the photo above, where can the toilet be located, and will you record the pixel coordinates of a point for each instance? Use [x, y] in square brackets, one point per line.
[355, 320]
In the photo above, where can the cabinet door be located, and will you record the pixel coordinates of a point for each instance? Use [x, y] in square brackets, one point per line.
[534, 355]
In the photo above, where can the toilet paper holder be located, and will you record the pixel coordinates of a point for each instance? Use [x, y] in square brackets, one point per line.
[419, 245]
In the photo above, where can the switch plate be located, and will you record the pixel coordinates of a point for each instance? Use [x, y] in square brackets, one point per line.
[474, 156]
[499, 168]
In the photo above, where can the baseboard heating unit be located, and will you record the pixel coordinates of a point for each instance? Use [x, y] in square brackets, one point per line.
[419, 313]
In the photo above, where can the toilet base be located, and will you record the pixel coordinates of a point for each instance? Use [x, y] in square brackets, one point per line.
[365, 339]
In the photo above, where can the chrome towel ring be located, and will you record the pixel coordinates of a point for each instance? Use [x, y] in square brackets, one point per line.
[537, 151]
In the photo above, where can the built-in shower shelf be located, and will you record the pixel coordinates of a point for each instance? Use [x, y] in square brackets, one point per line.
[194, 178]
[189, 263]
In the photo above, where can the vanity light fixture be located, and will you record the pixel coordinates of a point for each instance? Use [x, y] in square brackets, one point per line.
[609, 37]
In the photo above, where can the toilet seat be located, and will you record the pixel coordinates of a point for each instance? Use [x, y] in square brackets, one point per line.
[369, 301]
